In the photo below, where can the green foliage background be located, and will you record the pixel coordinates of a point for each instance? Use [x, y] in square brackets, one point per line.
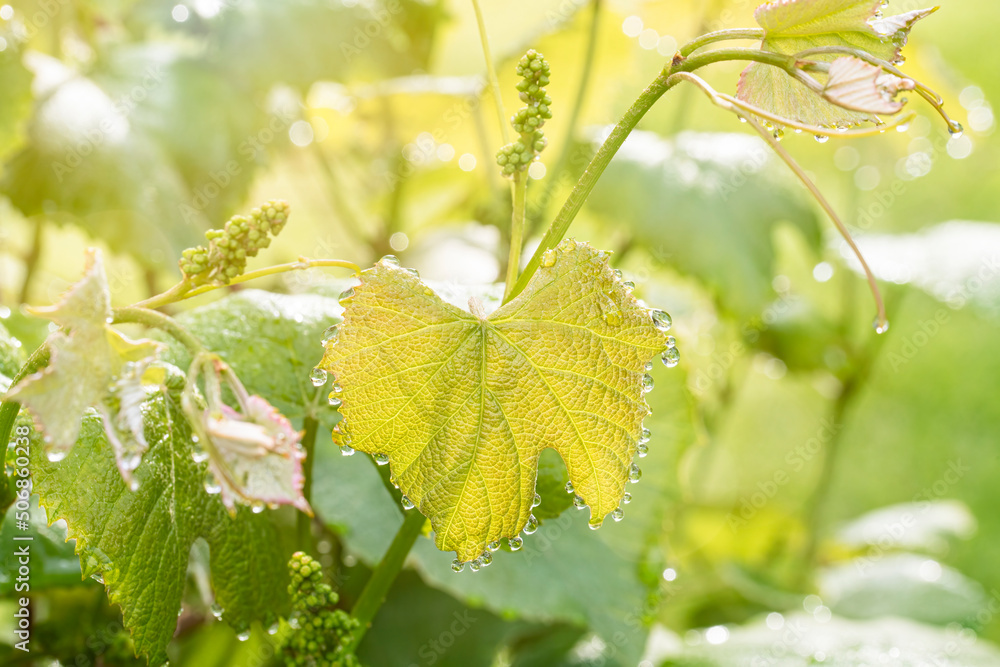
[786, 426]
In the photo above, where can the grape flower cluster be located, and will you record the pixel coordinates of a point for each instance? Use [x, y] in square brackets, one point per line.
[321, 632]
[228, 249]
[529, 119]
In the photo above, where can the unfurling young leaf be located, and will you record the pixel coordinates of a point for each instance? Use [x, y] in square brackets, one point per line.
[792, 26]
[88, 357]
[461, 404]
[255, 456]
[854, 84]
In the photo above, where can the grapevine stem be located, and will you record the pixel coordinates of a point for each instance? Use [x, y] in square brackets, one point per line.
[152, 318]
[311, 427]
[183, 289]
[516, 231]
[385, 573]
[720, 35]
[660, 85]
[491, 73]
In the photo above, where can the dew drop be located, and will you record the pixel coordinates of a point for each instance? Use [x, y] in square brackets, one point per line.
[569, 487]
[548, 259]
[595, 526]
[531, 526]
[199, 455]
[821, 138]
[671, 341]
[515, 543]
[317, 377]
[778, 134]
[644, 436]
[243, 636]
[647, 383]
[97, 577]
[406, 503]
[257, 507]
[486, 559]
[742, 119]
[272, 629]
[634, 474]
[536, 501]
[661, 320]
[457, 565]
[336, 388]
[648, 366]
[494, 545]
[880, 327]
[133, 485]
[955, 129]
[347, 450]
[475, 564]
[902, 127]
[579, 503]
[671, 357]
[217, 611]
[618, 514]
[643, 449]
[330, 335]
[55, 457]
[211, 484]
[335, 402]
[566, 246]
[628, 285]
[381, 459]
[390, 260]
[627, 498]
[346, 295]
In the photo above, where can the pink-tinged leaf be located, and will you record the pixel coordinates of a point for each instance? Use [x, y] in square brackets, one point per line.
[259, 456]
[792, 26]
[854, 84]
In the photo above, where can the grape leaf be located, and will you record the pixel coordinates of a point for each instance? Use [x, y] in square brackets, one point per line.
[11, 355]
[139, 541]
[791, 26]
[84, 363]
[461, 404]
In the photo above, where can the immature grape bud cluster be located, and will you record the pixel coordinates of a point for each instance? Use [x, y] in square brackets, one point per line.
[528, 121]
[322, 632]
[228, 249]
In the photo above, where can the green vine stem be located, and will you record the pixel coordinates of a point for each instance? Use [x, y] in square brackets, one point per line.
[491, 73]
[304, 523]
[151, 318]
[183, 290]
[385, 573]
[516, 231]
[720, 35]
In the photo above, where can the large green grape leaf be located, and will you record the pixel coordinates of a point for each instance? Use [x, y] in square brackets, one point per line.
[602, 593]
[706, 204]
[791, 26]
[461, 404]
[11, 355]
[139, 541]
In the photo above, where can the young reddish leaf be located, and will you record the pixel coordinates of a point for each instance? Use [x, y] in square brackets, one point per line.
[854, 84]
[87, 356]
[461, 404]
[791, 26]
